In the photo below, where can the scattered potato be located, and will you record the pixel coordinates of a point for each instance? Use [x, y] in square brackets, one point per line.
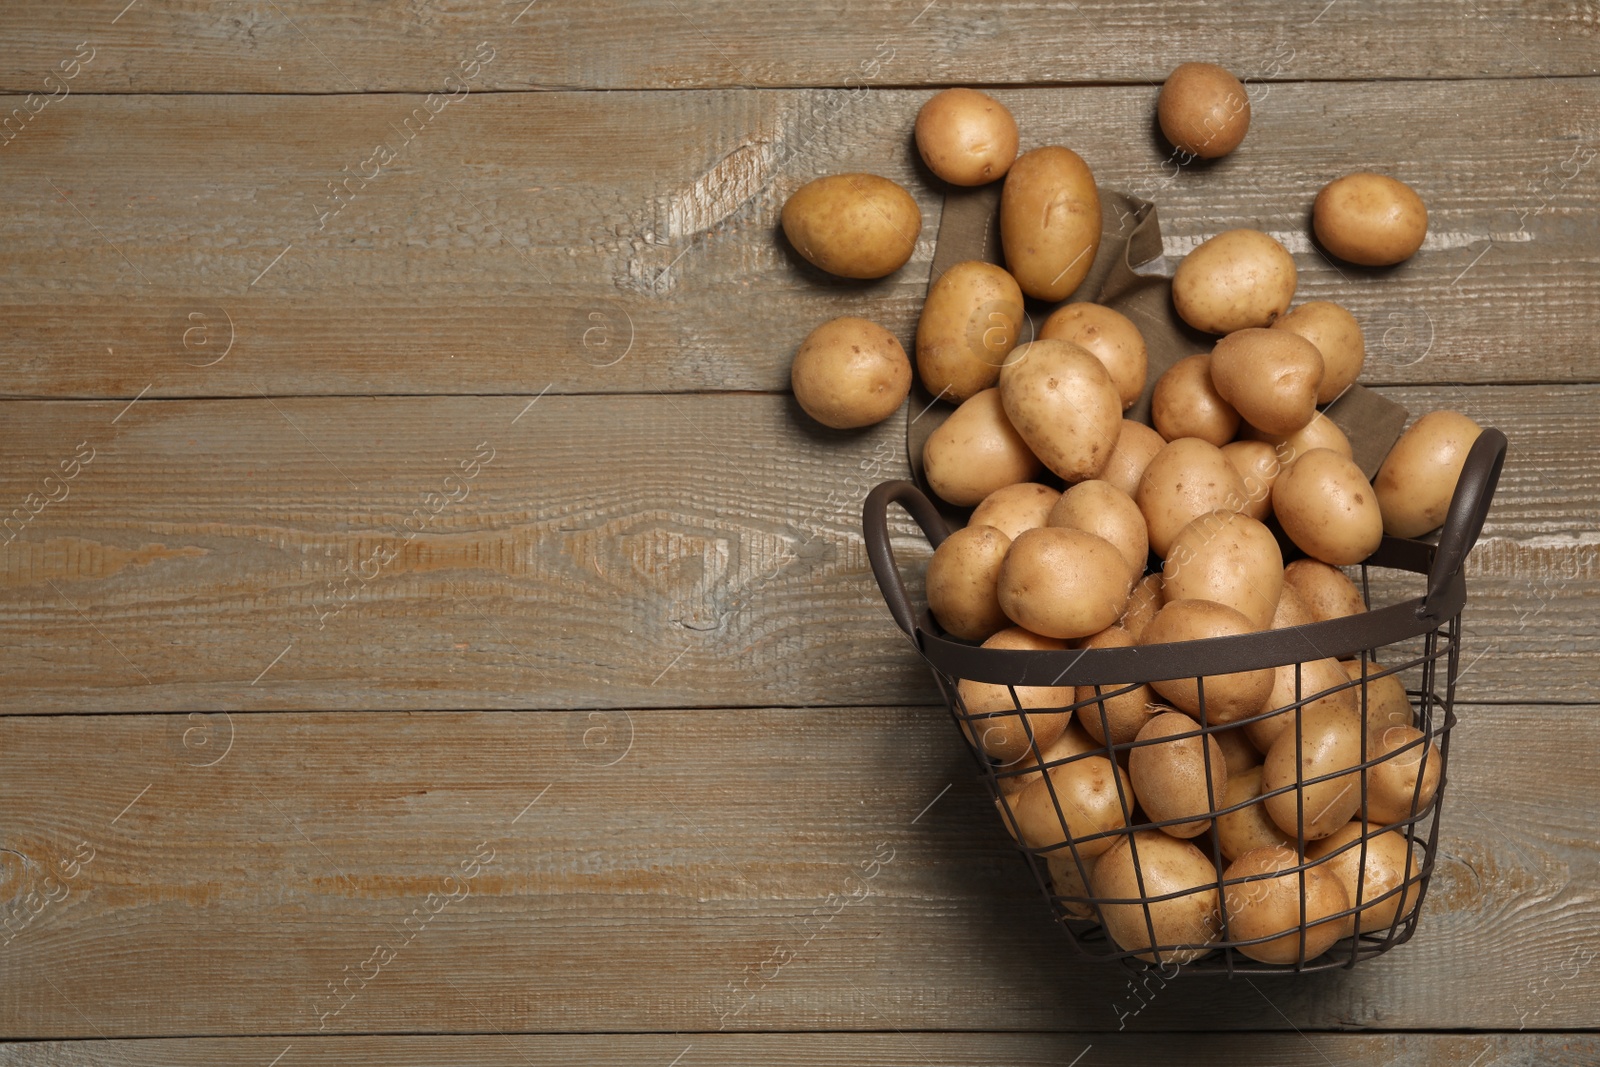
[966, 137]
[1370, 219]
[849, 373]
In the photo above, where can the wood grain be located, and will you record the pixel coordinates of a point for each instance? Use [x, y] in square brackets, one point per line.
[612, 552]
[732, 870]
[347, 46]
[801, 1050]
[627, 242]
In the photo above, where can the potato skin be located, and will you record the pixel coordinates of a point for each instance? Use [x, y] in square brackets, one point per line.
[1061, 400]
[969, 325]
[1109, 336]
[961, 582]
[1236, 280]
[1050, 222]
[1328, 741]
[1063, 583]
[849, 373]
[1338, 337]
[853, 225]
[1228, 558]
[1001, 733]
[966, 137]
[1260, 908]
[1419, 475]
[1203, 110]
[1137, 445]
[1183, 481]
[1328, 508]
[1228, 697]
[1014, 508]
[1186, 403]
[1270, 378]
[1170, 777]
[976, 451]
[1165, 865]
[1370, 219]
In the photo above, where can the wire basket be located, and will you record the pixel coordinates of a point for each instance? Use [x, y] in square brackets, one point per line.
[1188, 925]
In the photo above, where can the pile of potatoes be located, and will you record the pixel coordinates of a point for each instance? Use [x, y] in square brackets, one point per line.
[1093, 531]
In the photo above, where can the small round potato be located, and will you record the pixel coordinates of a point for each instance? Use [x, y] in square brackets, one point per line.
[1228, 697]
[1063, 403]
[1185, 403]
[1262, 907]
[1083, 798]
[1406, 780]
[1314, 676]
[1227, 558]
[1063, 583]
[1419, 475]
[961, 583]
[1250, 827]
[976, 451]
[1018, 774]
[1137, 445]
[1014, 508]
[1329, 741]
[1236, 280]
[1258, 467]
[1328, 508]
[1124, 712]
[966, 137]
[1001, 732]
[1151, 864]
[1269, 376]
[1203, 110]
[1370, 219]
[969, 325]
[1050, 222]
[1102, 509]
[1325, 590]
[850, 372]
[1183, 481]
[853, 225]
[1337, 335]
[1109, 336]
[1389, 865]
[1181, 777]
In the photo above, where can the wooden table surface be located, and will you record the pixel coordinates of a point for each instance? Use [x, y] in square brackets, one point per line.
[436, 539]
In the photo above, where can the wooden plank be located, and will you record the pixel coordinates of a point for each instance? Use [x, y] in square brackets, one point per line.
[734, 870]
[613, 552]
[193, 46]
[802, 1050]
[628, 242]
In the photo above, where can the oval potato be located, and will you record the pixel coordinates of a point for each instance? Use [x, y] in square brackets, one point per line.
[1014, 508]
[1235, 280]
[1109, 336]
[1328, 508]
[1137, 445]
[1338, 338]
[1185, 403]
[1050, 222]
[1270, 378]
[1183, 481]
[1063, 583]
[1063, 403]
[976, 451]
[961, 580]
[1370, 219]
[968, 326]
[853, 225]
[966, 137]
[850, 372]
[1419, 475]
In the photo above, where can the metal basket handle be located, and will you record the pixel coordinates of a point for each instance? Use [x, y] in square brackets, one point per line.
[1468, 508]
[875, 528]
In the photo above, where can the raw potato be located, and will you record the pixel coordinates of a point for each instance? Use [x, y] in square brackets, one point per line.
[853, 225]
[1109, 336]
[1320, 432]
[1250, 827]
[1170, 776]
[1236, 280]
[961, 582]
[976, 451]
[1050, 222]
[1258, 467]
[1102, 509]
[1419, 476]
[1228, 558]
[1337, 335]
[1203, 110]
[966, 137]
[1167, 865]
[1137, 445]
[1063, 403]
[1066, 880]
[1389, 865]
[1267, 906]
[1370, 219]
[1292, 609]
[1316, 676]
[968, 326]
[850, 372]
[1143, 603]
[1327, 507]
[1063, 583]
[1014, 508]
[1081, 799]
[1237, 752]
[1183, 481]
[1270, 378]
[1125, 712]
[1228, 696]
[1185, 403]
[1327, 593]
[1387, 702]
[1002, 734]
[1330, 742]
[1018, 775]
[1404, 774]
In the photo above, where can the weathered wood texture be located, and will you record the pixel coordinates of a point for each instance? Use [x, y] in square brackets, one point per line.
[611, 552]
[347, 46]
[733, 870]
[804, 1050]
[628, 242]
